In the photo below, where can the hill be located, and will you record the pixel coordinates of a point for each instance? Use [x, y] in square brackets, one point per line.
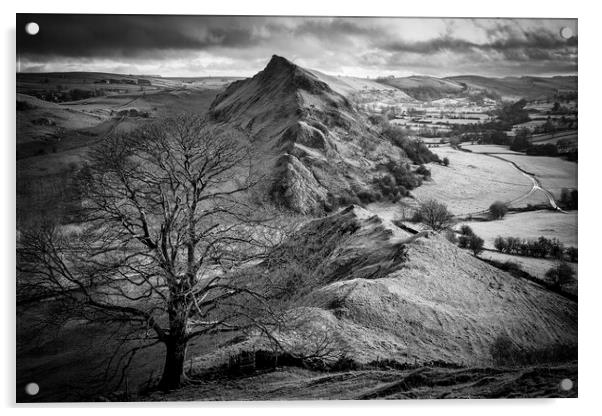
[317, 149]
[530, 88]
[510, 88]
[378, 292]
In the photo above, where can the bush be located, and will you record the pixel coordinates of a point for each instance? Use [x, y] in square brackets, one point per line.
[417, 151]
[542, 247]
[389, 188]
[475, 244]
[568, 199]
[445, 161]
[471, 242]
[556, 249]
[500, 244]
[560, 275]
[403, 175]
[422, 170]
[498, 210]
[434, 214]
[367, 196]
[571, 253]
[466, 230]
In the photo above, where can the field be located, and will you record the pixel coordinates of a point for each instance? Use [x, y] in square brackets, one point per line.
[554, 137]
[489, 148]
[553, 173]
[536, 267]
[472, 182]
[529, 225]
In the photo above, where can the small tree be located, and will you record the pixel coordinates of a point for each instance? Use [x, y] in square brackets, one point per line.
[500, 244]
[475, 244]
[560, 274]
[498, 210]
[445, 161]
[466, 230]
[434, 214]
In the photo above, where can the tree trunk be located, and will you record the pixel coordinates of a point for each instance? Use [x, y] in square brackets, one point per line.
[173, 370]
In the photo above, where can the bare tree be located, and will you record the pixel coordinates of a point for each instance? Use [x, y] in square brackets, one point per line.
[434, 214]
[168, 233]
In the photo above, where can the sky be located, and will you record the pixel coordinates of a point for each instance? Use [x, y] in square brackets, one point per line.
[171, 45]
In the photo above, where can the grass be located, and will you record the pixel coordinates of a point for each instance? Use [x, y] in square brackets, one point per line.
[529, 225]
[554, 173]
[472, 182]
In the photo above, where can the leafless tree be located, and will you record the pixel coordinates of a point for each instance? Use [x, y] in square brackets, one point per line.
[434, 214]
[168, 233]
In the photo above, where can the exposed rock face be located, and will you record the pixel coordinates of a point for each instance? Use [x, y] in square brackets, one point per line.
[317, 147]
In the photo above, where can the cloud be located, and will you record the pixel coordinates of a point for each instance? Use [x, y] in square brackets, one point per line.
[240, 45]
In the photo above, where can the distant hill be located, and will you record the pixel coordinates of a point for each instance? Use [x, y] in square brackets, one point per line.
[510, 88]
[520, 87]
[318, 149]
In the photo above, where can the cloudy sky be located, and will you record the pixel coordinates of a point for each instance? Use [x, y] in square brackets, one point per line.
[241, 46]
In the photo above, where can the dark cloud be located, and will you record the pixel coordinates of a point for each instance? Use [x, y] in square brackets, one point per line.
[530, 43]
[126, 35]
[241, 44]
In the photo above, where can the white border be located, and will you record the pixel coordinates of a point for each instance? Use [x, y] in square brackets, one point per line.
[589, 215]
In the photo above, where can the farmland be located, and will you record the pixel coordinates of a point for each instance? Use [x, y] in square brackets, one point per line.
[529, 225]
[472, 182]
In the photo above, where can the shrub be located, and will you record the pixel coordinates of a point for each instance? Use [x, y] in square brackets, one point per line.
[568, 199]
[445, 161]
[471, 242]
[389, 188]
[560, 274]
[556, 249]
[403, 175]
[417, 151]
[422, 170]
[498, 209]
[367, 196]
[475, 244]
[571, 253]
[500, 244]
[466, 230]
[434, 214]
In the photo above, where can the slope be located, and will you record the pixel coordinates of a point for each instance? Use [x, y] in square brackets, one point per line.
[383, 294]
[313, 146]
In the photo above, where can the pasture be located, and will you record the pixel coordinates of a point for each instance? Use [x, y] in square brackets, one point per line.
[529, 225]
[472, 182]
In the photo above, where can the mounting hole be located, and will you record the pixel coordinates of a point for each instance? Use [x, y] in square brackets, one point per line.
[566, 384]
[566, 32]
[32, 389]
[32, 28]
